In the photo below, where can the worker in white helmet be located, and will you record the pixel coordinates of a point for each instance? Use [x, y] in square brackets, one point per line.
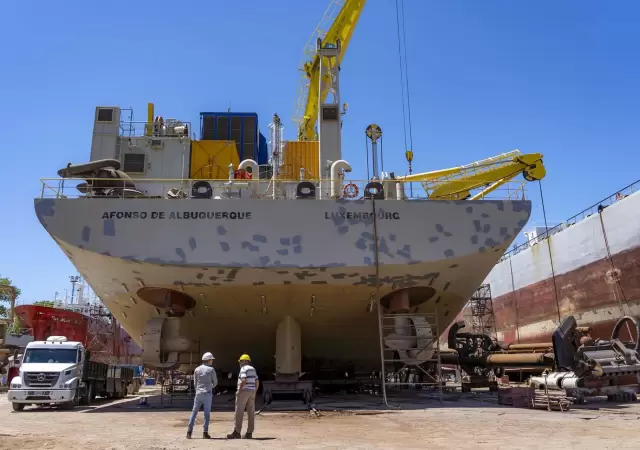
[248, 384]
[204, 381]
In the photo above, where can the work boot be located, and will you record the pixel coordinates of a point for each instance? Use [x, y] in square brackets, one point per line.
[188, 434]
[234, 435]
[248, 436]
[205, 435]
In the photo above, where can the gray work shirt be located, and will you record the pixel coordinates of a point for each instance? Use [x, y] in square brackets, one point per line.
[205, 379]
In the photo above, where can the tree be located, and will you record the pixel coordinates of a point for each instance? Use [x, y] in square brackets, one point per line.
[47, 303]
[15, 326]
[5, 296]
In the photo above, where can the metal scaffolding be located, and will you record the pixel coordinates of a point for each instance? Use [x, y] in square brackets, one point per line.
[410, 353]
[479, 311]
[177, 385]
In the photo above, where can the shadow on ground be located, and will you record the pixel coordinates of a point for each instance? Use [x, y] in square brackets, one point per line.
[331, 404]
[359, 404]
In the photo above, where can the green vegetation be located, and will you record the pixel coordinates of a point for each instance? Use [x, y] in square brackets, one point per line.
[48, 303]
[5, 296]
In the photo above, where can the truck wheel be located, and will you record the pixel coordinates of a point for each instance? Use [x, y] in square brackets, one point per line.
[68, 405]
[17, 407]
[72, 403]
[88, 396]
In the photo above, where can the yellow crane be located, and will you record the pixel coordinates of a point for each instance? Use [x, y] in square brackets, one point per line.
[341, 17]
[457, 183]
[469, 182]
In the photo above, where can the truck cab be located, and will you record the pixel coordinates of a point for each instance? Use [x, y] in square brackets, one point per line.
[50, 373]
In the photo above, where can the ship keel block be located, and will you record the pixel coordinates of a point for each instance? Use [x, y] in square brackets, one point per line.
[288, 363]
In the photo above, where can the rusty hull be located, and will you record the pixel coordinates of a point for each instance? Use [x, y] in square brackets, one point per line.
[586, 289]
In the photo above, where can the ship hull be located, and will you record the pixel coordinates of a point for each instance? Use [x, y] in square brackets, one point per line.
[99, 337]
[587, 283]
[312, 260]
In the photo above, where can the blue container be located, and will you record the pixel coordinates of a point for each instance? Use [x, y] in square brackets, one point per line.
[149, 381]
[263, 151]
[235, 126]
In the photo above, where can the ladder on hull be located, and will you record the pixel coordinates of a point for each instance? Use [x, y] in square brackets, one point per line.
[480, 311]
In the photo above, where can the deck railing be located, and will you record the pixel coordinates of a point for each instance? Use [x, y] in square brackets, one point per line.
[587, 212]
[248, 188]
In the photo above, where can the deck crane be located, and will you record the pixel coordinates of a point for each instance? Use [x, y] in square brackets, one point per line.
[343, 16]
[457, 183]
[319, 76]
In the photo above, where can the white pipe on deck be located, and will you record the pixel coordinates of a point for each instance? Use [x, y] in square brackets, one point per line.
[336, 185]
[255, 173]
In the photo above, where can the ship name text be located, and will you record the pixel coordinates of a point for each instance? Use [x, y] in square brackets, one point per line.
[362, 216]
[160, 215]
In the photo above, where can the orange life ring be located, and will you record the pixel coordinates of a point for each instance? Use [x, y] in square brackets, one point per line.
[350, 191]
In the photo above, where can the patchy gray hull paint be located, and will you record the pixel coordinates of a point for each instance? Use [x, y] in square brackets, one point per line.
[277, 255]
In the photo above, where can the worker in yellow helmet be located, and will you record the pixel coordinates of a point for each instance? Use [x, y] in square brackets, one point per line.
[248, 384]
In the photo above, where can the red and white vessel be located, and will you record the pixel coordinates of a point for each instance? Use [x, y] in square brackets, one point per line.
[587, 267]
[86, 321]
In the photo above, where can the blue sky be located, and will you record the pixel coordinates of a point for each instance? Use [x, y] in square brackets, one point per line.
[558, 78]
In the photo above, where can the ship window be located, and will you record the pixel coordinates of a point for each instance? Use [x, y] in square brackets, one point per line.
[134, 162]
[105, 114]
[330, 113]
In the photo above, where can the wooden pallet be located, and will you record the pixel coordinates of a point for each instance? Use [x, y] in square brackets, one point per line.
[551, 400]
[528, 397]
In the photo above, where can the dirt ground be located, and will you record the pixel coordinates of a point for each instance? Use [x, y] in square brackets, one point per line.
[342, 422]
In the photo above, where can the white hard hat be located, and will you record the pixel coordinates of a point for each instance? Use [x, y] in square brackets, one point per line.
[207, 356]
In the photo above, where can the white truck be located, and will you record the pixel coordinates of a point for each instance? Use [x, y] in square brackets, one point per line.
[60, 372]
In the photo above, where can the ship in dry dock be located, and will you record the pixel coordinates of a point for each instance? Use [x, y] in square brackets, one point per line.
[210, 244]
[587, 267]
[84, 320]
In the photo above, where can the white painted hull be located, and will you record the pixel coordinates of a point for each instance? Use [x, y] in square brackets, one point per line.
[286, 257]
[571, 274]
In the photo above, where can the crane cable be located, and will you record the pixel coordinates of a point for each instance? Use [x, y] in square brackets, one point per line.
[404, 118]
[404, 80]
[406, 76]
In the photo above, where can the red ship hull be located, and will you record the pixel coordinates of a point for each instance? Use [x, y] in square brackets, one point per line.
[582, 293]
[106, 342]
[588, 268]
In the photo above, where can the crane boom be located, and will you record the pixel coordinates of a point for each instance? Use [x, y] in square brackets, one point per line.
[489, 174]
[342, 27]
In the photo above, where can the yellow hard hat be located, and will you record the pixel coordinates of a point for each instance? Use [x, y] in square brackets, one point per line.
[244, 357]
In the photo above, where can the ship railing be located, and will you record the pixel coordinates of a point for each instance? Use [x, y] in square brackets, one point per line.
[239, 188]
[169, 128]
[585, 213]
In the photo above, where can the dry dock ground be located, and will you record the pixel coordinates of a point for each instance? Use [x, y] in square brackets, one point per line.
[343, 422]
